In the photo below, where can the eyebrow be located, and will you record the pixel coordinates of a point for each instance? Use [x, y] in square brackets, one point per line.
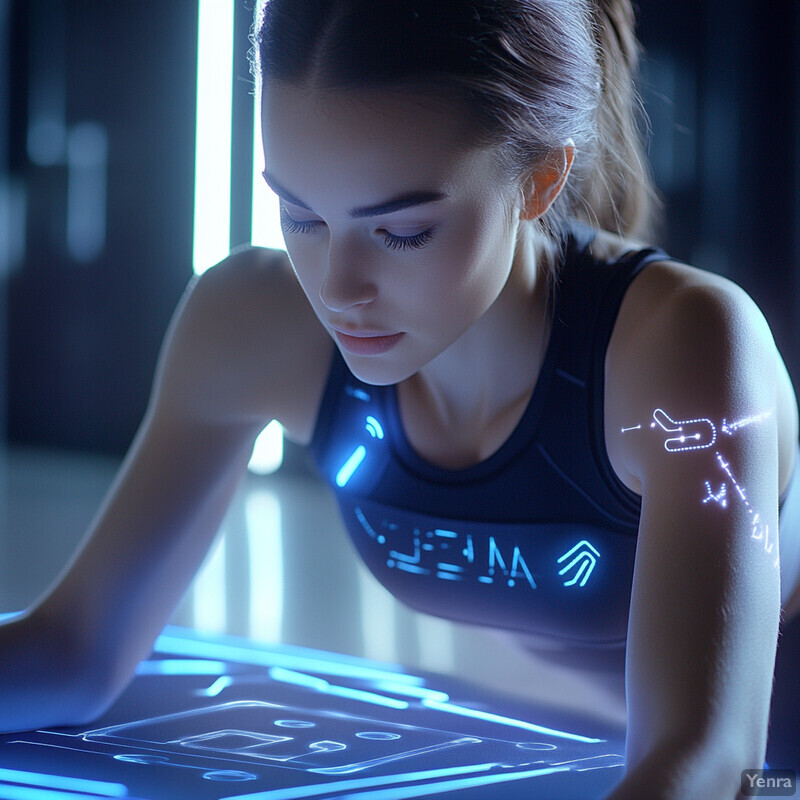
[407, 200]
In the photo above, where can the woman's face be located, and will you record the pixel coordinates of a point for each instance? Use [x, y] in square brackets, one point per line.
[401, 237]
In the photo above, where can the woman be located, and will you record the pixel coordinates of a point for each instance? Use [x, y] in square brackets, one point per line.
[530, 421]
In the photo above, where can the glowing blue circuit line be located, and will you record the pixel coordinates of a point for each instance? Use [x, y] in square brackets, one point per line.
[731, 427]
[321, 685]
[310, 660]
[403, 792]
[365, 524]
[669, 425]
[8, 792]
[218, 686]
[350, 466]
[181, 666]
[473, 713]
[301, 792]
[61, 782]
[720, 497]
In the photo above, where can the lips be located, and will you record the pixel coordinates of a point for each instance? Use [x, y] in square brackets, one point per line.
[365, 342]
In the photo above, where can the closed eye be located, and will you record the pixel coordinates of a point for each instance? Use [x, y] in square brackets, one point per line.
[391, 241]
[395, 242]
[291, 225]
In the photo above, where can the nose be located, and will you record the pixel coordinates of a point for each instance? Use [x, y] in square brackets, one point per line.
[346, 282]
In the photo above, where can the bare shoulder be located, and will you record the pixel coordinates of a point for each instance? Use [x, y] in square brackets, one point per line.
[245, 345]
[697, 342]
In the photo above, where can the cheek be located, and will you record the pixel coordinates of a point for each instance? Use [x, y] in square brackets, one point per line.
[479, 259]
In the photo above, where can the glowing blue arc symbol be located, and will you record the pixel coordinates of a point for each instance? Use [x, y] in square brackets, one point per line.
[374, 428]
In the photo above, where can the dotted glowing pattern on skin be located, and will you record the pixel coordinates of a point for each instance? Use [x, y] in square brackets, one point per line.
[701, 434]
[463, 552]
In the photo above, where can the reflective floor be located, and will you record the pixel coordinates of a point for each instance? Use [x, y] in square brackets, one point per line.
[281, 571]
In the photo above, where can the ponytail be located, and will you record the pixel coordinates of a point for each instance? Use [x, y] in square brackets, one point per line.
[619, 192]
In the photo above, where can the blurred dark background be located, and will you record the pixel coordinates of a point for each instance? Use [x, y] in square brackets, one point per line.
[108, 89]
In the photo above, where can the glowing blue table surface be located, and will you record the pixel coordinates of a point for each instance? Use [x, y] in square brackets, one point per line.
[209, 718]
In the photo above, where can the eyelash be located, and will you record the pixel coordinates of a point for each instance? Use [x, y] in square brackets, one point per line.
[390, 240]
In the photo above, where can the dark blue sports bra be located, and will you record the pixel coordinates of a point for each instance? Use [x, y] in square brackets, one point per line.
[540, 537]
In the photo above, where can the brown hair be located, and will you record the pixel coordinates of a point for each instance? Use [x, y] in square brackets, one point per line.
[530, 73]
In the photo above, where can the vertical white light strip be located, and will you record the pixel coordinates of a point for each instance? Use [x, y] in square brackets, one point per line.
[212, 193]
[266, 225]
[378, 624]
[265, 231]
[436, 644]
[209, 597]
[264, 536]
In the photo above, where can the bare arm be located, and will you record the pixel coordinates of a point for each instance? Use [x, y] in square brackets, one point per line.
[705, 606]
[75, 650]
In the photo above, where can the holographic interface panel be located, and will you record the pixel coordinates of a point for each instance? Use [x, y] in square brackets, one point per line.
[213, 718]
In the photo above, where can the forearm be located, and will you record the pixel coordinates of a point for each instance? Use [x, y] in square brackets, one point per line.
[43, 682]
[668, 774]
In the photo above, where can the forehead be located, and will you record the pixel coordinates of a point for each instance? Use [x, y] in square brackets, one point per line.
[332, 139]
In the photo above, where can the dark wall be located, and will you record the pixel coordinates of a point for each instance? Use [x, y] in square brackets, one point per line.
[84, 333]
[721, 87]
[722, 81]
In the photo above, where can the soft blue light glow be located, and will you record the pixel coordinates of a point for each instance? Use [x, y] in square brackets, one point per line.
[402, 792]
[87, 157]
[350, 466]
[298, 679]
[212, 194]
[587, 562]
[301, 792]
[31, 793]
[306, 659]
[62, 782]
[321, 685]
[473, 713]
[181, 666]
[359, 394]
[412, 691]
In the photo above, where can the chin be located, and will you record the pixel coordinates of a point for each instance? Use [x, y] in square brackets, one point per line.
[378, 370]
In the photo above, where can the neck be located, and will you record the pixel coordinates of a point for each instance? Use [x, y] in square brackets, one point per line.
[494, 365]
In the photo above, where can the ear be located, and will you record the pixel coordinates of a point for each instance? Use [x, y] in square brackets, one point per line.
[547, 181]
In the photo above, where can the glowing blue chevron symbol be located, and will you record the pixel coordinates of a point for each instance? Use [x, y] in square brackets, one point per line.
[584, 558]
